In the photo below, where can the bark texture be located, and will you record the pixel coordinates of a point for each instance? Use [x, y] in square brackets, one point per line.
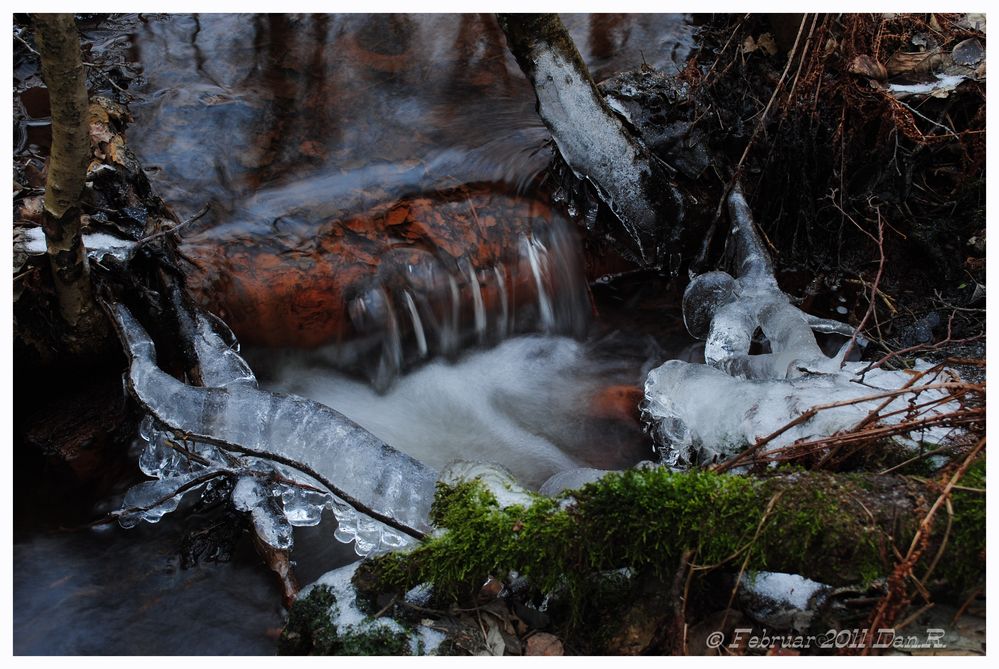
[62, 69]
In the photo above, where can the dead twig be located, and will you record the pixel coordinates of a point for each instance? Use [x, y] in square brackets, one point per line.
[810, 413]
[874, 290]
[174, 229]
[924, 347]
[889, 604]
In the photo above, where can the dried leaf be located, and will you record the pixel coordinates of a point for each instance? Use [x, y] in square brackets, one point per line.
[866, 66]
[32, 209]
[970, 52]
[765, 42]
[920, 62]
[543, 643]
[495, 645]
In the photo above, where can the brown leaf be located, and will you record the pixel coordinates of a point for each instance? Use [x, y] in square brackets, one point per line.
[543, 643]
[765, 42]
[31, 209]
[866, 66]
[920, 62]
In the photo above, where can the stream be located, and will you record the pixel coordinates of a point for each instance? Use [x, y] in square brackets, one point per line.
[279, 123]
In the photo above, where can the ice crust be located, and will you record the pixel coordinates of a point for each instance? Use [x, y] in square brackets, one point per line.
[698, 414]
[98, 244]
[595, 144]
[348, 617]
[781, 601]
[285, 454]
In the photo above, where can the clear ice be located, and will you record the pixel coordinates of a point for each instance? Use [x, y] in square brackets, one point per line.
[698, 414]
[290, 458]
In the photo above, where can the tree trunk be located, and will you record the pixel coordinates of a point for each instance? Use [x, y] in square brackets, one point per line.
[592, 139]
[62, 69]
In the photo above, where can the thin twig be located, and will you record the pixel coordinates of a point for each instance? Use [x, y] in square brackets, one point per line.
[161, 233]
[26, 45]
[810, 413]
[923, 347]
[903, 569]
[874, 291]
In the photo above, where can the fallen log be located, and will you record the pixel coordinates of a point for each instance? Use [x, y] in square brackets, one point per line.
[833, 528]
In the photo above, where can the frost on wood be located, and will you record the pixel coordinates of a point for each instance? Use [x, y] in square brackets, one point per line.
[592, 139]
[702, 413]
[288, 458]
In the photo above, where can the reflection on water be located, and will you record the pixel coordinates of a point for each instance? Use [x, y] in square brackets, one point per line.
[124, 593]
[305, 131]
[264, 114]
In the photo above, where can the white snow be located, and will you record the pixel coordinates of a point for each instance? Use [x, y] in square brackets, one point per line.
[940, 87]
[785, 589]
[98, 244]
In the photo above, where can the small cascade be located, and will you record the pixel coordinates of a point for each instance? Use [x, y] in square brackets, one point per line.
[439, 307]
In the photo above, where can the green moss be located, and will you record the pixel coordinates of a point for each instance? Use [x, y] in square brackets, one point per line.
[966, 544]
[372, 640]
[311, 630]
[815, 524]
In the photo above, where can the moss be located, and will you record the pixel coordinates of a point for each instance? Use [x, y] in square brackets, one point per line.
[373, 640]
[966, 544]
[815, 524]
[311, 630]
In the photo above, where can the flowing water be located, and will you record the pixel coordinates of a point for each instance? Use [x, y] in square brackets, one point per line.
[286, 123]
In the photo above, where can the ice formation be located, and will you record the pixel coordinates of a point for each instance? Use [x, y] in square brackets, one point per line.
[98, 244]
[781, 601]
[348, 618]
[700, 413]
[287, 458]
[495, 478]
[596, 145]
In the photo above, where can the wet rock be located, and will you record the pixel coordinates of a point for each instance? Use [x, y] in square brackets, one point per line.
[920, 332]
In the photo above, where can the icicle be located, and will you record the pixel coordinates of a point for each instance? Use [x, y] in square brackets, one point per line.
[700, 413]
[316, 440]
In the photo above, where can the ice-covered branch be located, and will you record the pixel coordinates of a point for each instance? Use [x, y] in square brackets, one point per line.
[700, 413]
[592, 139]
[373, 478]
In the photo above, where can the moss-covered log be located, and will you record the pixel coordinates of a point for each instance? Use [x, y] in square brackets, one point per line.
[836, 529]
